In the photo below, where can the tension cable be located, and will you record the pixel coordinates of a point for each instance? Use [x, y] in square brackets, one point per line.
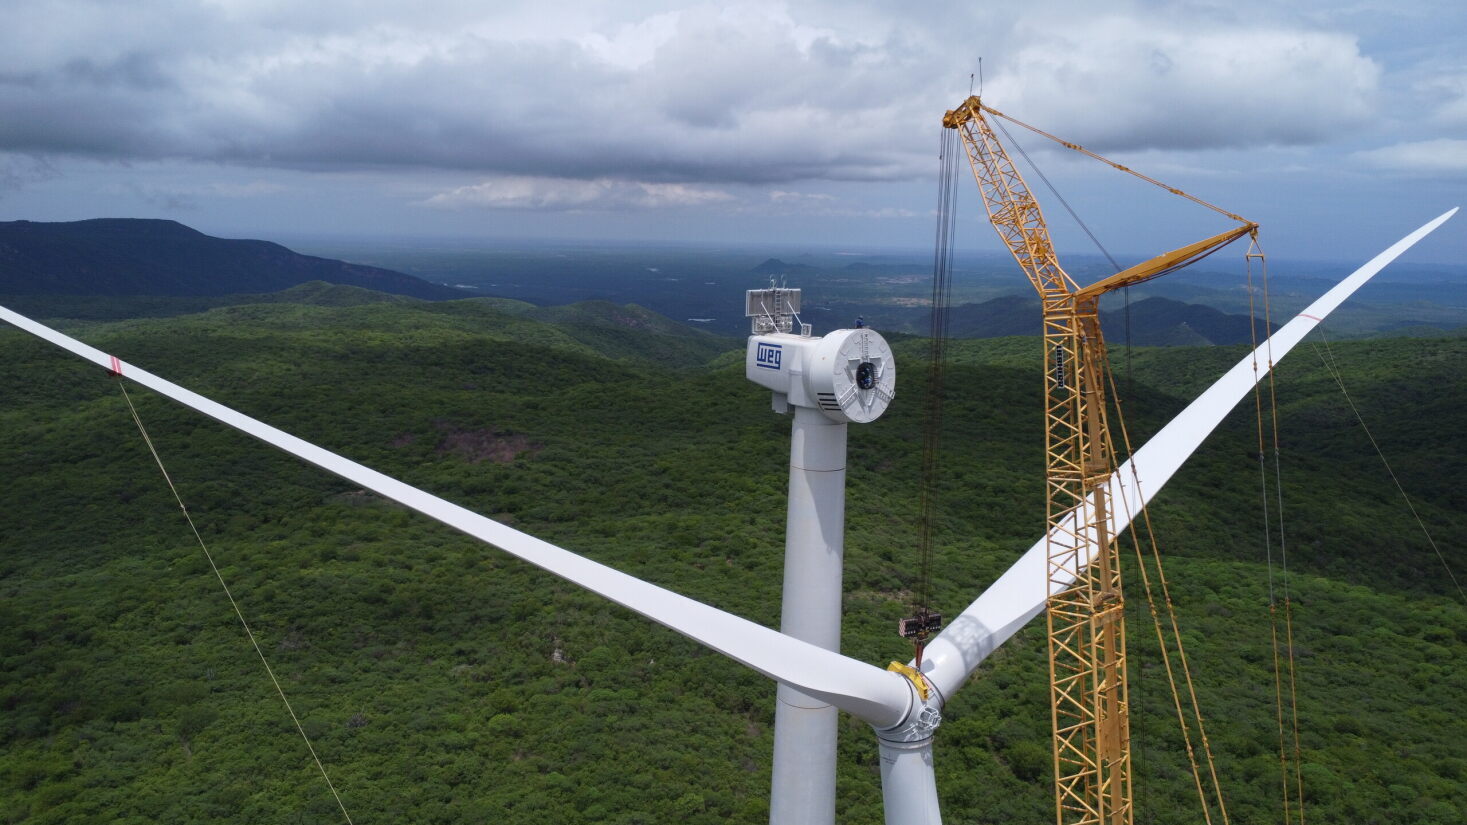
[1333, 368]
[230, 596]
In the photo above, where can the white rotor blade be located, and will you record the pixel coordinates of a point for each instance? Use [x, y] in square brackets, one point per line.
[1019, 594]
[872, 694]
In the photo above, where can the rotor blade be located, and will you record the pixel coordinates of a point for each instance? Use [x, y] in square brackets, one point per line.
[872, 694]
[1019, 594]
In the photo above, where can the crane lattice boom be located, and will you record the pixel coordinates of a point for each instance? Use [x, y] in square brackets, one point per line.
[1085, 608]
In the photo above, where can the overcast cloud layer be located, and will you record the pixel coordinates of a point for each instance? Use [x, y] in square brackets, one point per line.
[705, 106]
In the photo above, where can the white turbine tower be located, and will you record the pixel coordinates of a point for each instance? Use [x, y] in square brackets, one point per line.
[892, 703]
[846, 376]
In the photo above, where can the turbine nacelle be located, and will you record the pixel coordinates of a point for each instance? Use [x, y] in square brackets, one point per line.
[849, 374]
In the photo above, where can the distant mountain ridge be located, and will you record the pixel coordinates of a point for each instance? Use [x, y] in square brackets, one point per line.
[135, 256]
[774, 266]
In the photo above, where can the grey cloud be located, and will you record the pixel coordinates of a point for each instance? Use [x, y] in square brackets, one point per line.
[1446, 98]
[19, 171]
[712, 104]
[560, 194]
[1126, 86]
[129, 71]
[745, 94]
[1441, 157]
[165, 199]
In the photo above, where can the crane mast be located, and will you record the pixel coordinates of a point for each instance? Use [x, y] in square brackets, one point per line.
[1085, 607]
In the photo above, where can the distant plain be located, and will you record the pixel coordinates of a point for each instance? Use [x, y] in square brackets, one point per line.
[890, 288]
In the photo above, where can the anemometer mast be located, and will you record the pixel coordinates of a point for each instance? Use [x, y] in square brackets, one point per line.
[1085, 609]
[848, 375]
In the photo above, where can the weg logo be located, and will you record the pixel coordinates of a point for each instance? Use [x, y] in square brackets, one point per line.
[768, 356]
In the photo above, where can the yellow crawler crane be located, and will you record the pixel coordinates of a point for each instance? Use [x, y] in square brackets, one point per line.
[1086, 622]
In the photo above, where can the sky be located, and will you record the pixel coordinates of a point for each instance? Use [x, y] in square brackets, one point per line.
[1337, 125]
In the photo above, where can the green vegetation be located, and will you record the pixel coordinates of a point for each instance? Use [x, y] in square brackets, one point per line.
[443, 681]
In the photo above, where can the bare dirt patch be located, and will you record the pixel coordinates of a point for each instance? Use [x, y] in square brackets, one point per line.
[475, 446]
[629, 320]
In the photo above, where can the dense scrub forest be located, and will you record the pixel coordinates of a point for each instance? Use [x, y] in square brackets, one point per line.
[442, 681]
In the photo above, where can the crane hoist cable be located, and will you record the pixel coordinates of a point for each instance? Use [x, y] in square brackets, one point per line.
[924, 622]
[1168, 636]
[1284, 668]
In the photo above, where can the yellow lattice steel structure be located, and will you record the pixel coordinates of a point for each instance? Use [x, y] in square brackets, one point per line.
[1086, 622]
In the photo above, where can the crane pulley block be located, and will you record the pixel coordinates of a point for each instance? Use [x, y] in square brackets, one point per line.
[919, 626]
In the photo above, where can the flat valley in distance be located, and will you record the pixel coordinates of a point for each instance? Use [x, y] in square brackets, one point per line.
[79, 270]
[704, 285]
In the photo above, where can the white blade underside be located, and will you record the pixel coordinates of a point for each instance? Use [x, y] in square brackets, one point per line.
[1018, 595]
[872, 694]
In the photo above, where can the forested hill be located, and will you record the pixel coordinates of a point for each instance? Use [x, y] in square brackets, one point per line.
[129, 256]
[443, 681]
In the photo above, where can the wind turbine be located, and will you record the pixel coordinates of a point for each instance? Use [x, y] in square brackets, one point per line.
[903, 710]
